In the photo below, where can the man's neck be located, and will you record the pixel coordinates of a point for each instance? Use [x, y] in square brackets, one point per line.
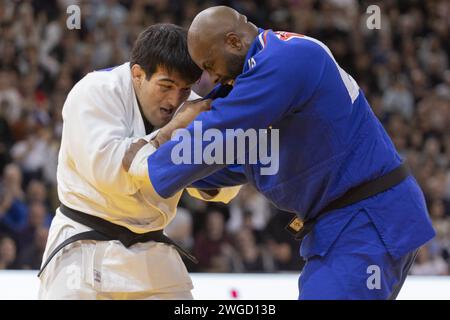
[251, 34]
[147, 125]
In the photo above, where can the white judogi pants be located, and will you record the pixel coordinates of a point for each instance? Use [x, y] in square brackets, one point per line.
[108, 270]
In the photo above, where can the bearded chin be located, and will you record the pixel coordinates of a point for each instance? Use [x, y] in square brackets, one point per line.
[235, 65]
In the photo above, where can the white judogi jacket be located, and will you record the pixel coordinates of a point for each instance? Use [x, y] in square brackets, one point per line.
[101, 119]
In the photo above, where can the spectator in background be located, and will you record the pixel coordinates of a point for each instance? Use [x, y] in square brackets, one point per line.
[283, 247]
[180, 230]
[37, 218]
[212, 246]
[10, 98]
[250, 205]
[441, 223]
[5, 136]
[31, 255]
[399, 99]
[36, 191]
[13, 209]
[7, 253]
[33, 154]
[427, 264]
[252, 257]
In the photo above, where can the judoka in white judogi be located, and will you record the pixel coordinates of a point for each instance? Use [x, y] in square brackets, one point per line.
[101, 119]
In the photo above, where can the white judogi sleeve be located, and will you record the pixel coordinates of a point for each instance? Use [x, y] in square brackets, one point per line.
[224, 195]
[139, 169]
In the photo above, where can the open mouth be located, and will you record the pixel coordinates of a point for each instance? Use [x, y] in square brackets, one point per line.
[166, 111]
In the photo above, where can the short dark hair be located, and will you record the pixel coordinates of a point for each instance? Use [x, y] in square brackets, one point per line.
[164, 45]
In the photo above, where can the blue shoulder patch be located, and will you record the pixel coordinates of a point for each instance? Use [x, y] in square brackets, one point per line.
[107, 69]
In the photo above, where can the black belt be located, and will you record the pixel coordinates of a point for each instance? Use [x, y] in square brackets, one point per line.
[104, 230]
[300, 228]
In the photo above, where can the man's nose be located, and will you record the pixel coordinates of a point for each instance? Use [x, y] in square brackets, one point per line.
[177, 98]
[213, 77]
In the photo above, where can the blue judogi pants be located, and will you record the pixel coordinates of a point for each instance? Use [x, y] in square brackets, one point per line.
[356, 266]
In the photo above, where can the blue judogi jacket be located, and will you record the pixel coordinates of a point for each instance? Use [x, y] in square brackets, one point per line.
[329, 142]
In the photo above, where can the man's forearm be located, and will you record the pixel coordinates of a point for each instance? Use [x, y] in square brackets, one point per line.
[190, 110]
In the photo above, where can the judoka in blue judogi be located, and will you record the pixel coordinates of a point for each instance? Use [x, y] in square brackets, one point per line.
[329, 142]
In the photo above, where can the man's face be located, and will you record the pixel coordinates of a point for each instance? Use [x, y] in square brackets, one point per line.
[222, 62]
[223, 57]
[161, 95]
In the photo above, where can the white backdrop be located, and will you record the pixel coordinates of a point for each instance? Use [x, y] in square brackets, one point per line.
[280, 286]
[24, 285]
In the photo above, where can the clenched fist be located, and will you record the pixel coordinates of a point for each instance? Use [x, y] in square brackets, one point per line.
[187, 113]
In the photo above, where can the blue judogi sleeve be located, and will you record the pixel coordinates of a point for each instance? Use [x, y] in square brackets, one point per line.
[230, 176]
[269, 89]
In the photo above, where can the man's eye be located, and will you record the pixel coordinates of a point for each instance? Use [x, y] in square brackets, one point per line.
[165, 88]
[185, 92]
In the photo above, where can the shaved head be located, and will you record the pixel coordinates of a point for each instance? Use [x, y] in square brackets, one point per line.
[214, 23]
[218, 41]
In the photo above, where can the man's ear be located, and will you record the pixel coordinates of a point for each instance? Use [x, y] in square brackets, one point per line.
[233, 41]
[137, 73]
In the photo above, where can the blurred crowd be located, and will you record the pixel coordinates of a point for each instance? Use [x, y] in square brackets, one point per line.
[403, 69]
